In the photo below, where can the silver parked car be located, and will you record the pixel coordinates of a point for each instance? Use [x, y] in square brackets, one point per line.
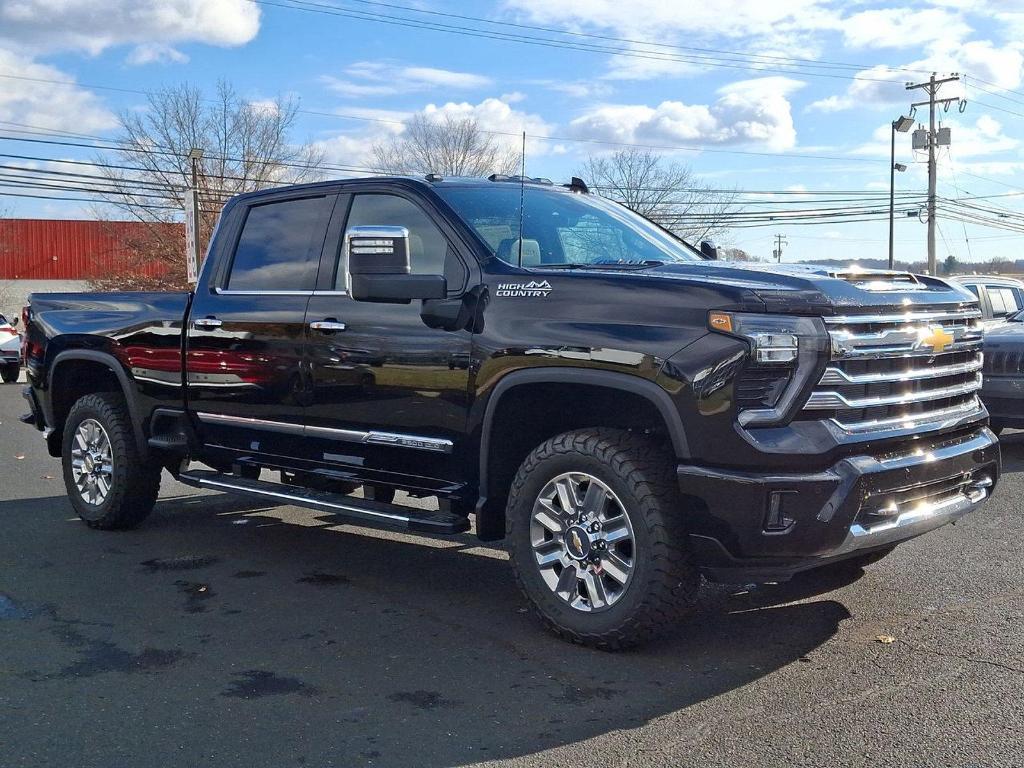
[999, 297]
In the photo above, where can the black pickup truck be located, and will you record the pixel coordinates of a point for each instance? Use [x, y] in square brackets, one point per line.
[629, 414]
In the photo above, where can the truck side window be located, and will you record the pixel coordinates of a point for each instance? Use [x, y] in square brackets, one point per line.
[429, 251]
[279, 248]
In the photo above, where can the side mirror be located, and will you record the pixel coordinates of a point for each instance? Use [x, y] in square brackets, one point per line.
[379, 269]
[709, 250]
[14, 322]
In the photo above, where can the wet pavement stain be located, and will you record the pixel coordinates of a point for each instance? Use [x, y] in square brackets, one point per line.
[248, 574]
[12, 610]
[257, 683]
[323, 579]
[423, 699]
[98, 657]
[197, 595]
[182, 563]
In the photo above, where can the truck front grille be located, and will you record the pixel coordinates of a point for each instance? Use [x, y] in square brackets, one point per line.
[1001, 363]
[899, 371]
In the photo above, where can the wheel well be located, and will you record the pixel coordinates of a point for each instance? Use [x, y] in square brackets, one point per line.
[528, 414]
[74, 379]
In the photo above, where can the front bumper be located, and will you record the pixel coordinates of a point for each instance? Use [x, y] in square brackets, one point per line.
[760, 527]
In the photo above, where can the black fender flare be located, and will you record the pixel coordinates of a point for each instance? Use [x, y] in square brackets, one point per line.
[636, 385]
[127, 388]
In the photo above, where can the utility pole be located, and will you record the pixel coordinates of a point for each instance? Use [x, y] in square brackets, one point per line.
[779, 242]
[932, 88]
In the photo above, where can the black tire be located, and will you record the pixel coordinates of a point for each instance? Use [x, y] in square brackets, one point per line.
[663, 584]
[134, 483]
[10, 373]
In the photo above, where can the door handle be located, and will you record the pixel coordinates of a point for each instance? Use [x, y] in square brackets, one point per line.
[330, 325]
[207, 322]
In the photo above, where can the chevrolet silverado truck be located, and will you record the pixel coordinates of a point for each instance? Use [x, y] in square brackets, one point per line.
[535, 363]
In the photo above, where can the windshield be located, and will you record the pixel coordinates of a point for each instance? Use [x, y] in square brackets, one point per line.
[561, 228]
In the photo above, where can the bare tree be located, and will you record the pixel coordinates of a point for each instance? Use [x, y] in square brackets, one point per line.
[246, 146]
[665, 192]
[451, 147]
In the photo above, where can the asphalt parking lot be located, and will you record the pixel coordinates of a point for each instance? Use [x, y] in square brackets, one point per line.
[227, 633]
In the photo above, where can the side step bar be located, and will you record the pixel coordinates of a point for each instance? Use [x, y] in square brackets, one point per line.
[365, 511]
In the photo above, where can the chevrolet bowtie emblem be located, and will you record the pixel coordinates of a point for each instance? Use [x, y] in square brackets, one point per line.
[935, 337]
[577, 542]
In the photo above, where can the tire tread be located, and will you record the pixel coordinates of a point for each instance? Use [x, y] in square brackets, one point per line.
[134, 500]
[648, 471]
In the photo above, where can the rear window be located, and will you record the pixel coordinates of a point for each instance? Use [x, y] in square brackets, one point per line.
[279, 248]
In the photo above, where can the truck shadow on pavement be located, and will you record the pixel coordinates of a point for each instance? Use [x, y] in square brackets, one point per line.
[228, 633]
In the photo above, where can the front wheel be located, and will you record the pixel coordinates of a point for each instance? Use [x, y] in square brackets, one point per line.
[10, 373]
[594, 526]
[108, 482]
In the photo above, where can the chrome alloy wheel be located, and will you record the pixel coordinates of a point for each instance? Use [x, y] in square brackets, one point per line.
[92, 462]
[582, 541]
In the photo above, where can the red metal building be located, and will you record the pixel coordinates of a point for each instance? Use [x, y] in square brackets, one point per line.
[57, 249]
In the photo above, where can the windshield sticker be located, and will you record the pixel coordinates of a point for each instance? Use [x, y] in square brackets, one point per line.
[534, 289]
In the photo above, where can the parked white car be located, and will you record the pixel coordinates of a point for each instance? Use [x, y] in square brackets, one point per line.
[10, 351]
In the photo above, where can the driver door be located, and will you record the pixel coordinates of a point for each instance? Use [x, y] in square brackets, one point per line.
[390, 395]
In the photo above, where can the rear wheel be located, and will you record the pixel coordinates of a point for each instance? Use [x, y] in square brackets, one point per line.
[9, 373]
[594, 524]
[109, 484]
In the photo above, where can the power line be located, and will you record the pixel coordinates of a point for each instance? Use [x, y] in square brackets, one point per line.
[793, 67]
[462, 17]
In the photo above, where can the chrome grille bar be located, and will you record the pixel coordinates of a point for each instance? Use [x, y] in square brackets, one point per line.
[904, 317]
[830, 400]
[835, 375]
[940, 416]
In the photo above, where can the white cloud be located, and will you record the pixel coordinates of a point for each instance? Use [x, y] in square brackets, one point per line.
[881, 86]
[656, 19]
[902, 28]
[984, 137]
[387, 78]
[355, 148]
[746, 112]
[577, 89]
[39, 26]
[155, 53]
[55, 106]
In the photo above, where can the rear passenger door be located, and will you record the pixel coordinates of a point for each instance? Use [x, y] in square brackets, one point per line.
[390, 394]
[246, 336]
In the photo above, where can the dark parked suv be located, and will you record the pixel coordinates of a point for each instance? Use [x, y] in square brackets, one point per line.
[549, 367]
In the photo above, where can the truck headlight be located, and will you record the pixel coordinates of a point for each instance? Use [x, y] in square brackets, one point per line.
[786, 355]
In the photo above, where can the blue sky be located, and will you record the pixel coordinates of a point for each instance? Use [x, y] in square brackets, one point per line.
[745, 82]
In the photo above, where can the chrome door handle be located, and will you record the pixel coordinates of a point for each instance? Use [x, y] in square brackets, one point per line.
[327, 326]
[207, 322]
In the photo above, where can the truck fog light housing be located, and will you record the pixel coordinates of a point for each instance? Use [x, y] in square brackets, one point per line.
[785, 353]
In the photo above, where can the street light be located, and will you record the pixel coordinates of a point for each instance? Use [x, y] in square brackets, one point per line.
[902, 125]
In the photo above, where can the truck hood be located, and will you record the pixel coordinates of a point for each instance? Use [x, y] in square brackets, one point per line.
[815, 289]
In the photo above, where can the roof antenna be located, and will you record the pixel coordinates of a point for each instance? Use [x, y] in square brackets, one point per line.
[522, 200]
